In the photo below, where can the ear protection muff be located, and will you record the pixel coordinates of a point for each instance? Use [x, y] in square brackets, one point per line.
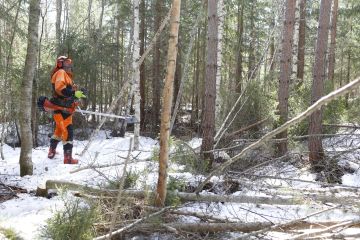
[63, 61]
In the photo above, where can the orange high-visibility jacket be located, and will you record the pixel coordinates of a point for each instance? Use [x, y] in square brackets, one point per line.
[60, 81]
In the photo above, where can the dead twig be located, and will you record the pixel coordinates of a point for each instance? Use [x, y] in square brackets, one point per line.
[133, 224]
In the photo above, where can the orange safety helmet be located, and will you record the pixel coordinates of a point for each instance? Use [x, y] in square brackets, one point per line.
[63, 62]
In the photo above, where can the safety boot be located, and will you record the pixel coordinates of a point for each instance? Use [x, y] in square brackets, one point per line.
[51, 153]
[52, 148]
[68, 159]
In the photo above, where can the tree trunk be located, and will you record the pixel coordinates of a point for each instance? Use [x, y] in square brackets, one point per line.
[301, 42]
[136, 73]
[239, 62]
[285, 71]
[58, 27]
[348, 69]
[156, 83]
[26, 165]
[167, 102]
[333, 43]
[185, 70]
[251, 61]
[142, 67]
[218, 100]
[316, 152]
[34, 115]
[178, 75]
[208, 116]
[195, 105]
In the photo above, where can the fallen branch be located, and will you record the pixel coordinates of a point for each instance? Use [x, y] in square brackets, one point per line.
[207, 227]
[294, 138]
[95, 166]
[285, 225]
[316, 106]
[53, 184]
[326, 230]
[337, 187]
[342, 126]
[245, 227]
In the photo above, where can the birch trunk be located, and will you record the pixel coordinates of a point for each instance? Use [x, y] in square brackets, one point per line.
[316, 154]
[142, 67]
[167, 102]
[221, 14]
[136, 73]
[26, 165]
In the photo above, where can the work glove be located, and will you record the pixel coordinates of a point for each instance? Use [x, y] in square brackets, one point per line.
[79, 94]
[84, 91]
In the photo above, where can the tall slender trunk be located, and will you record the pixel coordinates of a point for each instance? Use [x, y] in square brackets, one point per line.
[341, 66]
[348, 69]
[99, 53]
[285, 71]
[156, 83]
[333, 43]
[178, 72]
[208, 116]
[136, 73]
[166, 110]
[251, 60]
[195, 105]
[142, 67]
[316, 152]
[26, 165]
[239, 62]
[221, 17]
[34, 115]
[58, 27]
[301, 42]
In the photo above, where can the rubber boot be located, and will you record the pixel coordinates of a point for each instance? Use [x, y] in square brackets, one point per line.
[68, 157]
[52, 148]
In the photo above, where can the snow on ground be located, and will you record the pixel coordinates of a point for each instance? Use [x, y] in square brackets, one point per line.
[27, 214]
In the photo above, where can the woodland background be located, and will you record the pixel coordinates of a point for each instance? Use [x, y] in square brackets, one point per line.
[236, 73]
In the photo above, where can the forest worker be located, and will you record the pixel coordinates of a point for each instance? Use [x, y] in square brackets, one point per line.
[65, 94]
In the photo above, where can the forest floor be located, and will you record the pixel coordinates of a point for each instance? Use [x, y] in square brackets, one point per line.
[26, 213]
